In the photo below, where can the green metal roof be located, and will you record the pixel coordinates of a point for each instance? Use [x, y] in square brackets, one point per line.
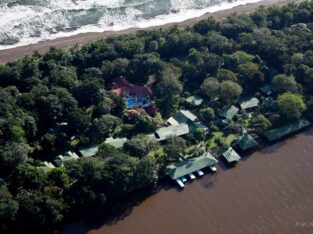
[184, 116]
[286, 129]
[249, 103]
[231, 155]
[116, 142]
[267, 89]
[151, 136]
[178, 130]
[60, 159]
[191, 165]
[88, 152]
[271, 103]
[229, 112]
[246, 141]
[194, 100]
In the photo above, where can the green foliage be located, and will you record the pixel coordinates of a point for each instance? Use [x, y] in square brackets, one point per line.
[8, 210]
[210, 88]
[51, 100]
[207, 114]
[139, 146]
[283, 83]
[260, 123]
[230, 90]
[174, 146]
[291, 106]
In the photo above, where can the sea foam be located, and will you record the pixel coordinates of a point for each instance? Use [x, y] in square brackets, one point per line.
[31, 21]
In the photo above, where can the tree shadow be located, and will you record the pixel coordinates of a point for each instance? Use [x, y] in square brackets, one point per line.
[117, 213]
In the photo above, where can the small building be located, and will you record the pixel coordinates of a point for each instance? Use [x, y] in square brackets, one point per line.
[194, 100]
[183, 168]
[46, 166]
[249, 103]
[165, 132]
[151, 136]
[116, 142]
[184, 116]
[135, 96]
[89, 152]
[172, 121]
[222, 123]
[271, 104]
[267, 89]
[60, 159]
[246, 141]
[229, 112]
[231, 156]
[278, 133]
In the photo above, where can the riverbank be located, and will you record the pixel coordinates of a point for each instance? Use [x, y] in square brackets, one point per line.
[80, 39]
[270, 191]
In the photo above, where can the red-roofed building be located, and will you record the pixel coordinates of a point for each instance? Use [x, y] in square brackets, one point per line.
[120, 86]
[135, 96]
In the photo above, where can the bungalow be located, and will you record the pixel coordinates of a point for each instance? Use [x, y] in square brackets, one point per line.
[116, 142]
[267, 89]
[60, 159]
[165, 132]
[271, 103]
[249, 103]
[46, 166]
[135, 96]
[183, 168]
[229, 112]
[182, 116]
[246, 141]
[194, 100]
[278, 133]
[231, 156]
[89, 152]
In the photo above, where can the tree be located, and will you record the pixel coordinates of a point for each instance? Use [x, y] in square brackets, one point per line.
[144, 123]
[167, 89]
[251, 74]
[58, 177]
[174, 146]
[78, 120]
[89, 93]
[8, 210]
[207, 114]
[283, 83]
[260, 123]
[291, 106]
[210, 88]
[27, 177]
[139, 146]
[146, 174]
[230, 91]
[11, 155]
[102, 127]
[38, 212]
[225, 74]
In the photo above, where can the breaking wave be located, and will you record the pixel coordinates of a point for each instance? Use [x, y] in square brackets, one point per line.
[24, 22]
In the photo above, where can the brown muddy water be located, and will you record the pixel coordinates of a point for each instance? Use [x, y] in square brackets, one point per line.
[270, 191]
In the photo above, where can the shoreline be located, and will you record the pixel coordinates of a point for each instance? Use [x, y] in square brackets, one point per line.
[8, 55]
[273, 199]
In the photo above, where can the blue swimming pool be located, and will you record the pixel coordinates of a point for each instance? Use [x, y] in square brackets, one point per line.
[130, 102]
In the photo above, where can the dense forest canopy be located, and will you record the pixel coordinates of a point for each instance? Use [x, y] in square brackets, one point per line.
[219, 61]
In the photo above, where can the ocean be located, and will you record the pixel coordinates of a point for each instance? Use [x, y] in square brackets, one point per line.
[24, 22]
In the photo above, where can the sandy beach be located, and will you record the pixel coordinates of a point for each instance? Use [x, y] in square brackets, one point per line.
[80, 39]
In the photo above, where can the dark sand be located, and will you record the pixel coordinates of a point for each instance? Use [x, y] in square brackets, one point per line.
[269, 192]
[80, 39]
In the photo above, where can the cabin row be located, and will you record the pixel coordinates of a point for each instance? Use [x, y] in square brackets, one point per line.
[188, 168]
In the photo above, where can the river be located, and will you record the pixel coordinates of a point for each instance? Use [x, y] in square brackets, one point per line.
[270, 191]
